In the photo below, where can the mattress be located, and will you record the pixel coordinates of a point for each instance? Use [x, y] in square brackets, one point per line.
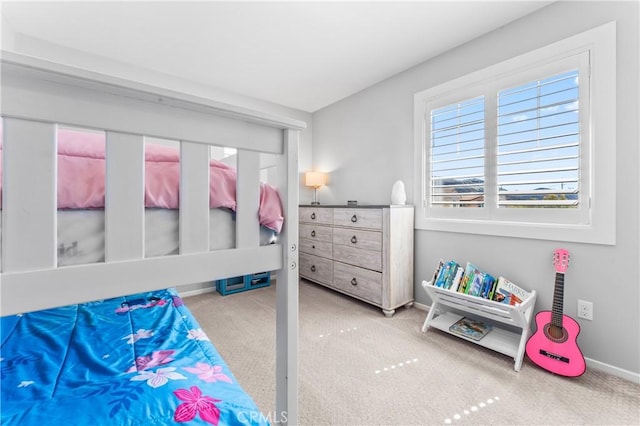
[81, 234]
[134, 360]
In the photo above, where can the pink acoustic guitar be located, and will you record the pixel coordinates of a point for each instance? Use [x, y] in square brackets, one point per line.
[553, 346]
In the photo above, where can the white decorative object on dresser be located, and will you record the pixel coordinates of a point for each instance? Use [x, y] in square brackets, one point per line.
[363, 251]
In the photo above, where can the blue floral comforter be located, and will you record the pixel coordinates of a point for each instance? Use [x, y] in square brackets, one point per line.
[134, 360]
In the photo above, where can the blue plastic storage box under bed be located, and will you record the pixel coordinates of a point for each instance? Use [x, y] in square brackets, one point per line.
[243, 283]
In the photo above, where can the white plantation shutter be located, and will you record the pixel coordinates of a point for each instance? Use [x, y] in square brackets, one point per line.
[538, 143]
[515, 152]
[457, 154]
[525, 147]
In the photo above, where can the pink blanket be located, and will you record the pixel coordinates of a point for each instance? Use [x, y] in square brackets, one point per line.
[81, 178]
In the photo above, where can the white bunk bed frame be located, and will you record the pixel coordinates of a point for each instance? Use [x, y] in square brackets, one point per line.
[37, 95]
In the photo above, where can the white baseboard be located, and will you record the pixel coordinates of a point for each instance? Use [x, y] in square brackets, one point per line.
[421, 306]
[196, 292]
[591, 363]
[615, 371]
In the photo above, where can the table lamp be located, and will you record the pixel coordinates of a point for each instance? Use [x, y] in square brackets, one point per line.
[315, 180]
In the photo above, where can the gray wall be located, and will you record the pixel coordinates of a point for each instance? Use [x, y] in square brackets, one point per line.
[365, 142]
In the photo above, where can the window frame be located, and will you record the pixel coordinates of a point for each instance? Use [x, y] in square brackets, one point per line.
[594, 222]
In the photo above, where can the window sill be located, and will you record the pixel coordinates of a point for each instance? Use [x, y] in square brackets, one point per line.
[588, 234]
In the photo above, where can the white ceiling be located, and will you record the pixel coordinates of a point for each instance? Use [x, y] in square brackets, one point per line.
[303, 55]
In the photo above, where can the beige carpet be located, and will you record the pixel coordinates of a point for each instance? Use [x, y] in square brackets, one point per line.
[358, 367]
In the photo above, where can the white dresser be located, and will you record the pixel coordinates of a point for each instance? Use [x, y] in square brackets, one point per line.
[363, 251]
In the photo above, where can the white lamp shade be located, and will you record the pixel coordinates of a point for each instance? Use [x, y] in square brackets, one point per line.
[315, 179]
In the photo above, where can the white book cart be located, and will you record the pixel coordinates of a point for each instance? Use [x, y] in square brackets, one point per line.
[447, 306]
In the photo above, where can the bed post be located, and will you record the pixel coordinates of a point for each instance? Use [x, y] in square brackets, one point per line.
[287, 290]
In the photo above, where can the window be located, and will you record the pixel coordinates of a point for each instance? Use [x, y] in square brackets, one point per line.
[457, 154]
[515, 150]
[538, 143]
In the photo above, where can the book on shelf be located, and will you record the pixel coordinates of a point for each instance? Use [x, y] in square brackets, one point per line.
[446, 273]
[508, 292]
[471, 328]
[475, 286]
[488, 286]
[457, 278]
[452, 269]
[442, 275]
[436, 274]
[467, 277]
[476, 282]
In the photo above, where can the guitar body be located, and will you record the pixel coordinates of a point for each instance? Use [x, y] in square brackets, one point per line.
[556, 349]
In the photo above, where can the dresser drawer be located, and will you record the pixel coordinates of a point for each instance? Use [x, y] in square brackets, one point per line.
[359, 282]
[316, 232]
[367, 240]
[318, 248]
[358, 218]
[316, 268]
[354, 256]
[320, 215]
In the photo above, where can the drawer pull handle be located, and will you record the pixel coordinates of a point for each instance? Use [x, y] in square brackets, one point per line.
[313, 268]
[354, 281]
[313, 215]
[354, 240]
[313, 233]
[354, 218]
[313, 246]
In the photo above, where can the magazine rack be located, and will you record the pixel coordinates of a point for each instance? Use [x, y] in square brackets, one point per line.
[447, 304]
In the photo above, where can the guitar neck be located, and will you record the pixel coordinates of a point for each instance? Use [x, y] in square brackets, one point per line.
[558, 300]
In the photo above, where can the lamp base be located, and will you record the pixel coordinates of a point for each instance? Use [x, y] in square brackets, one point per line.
[315, 203]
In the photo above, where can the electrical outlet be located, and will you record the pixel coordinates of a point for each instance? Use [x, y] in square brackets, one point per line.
[585, 310]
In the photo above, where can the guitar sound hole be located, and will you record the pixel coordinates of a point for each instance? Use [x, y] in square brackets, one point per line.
[555, 333]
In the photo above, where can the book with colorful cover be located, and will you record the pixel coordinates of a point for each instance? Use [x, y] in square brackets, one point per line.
[509, 293]
[445, 276]
[471, 328]
[477, 282]
[467, 278]
[444, 273]
[475, 286]
[456, 280]
[488, 286]
[453, 267]
[437, 272]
